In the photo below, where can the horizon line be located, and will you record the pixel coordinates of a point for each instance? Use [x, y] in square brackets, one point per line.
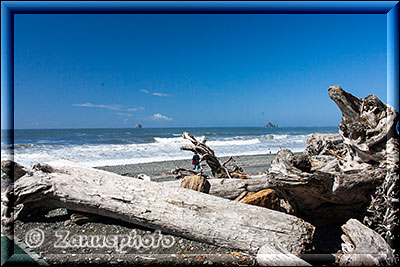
[173, 127]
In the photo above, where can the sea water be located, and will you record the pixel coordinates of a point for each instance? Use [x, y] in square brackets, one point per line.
[106, 147]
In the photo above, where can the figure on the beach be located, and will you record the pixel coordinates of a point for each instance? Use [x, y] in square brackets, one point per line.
[196, 162]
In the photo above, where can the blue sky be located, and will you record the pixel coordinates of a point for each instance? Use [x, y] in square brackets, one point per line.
[112, 71]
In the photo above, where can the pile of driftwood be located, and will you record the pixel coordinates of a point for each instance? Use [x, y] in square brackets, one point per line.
[346, 178]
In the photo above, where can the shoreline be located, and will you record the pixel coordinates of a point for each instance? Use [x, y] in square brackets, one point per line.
[160, 171]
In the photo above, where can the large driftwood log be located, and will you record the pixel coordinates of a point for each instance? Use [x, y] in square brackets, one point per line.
[323, 197]
[364, 247]
[177, 211]
[335, 177]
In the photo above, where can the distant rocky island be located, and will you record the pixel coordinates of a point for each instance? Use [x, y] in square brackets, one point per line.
[138, 126]
[270, 125]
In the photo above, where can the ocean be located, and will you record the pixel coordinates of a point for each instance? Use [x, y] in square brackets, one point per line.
[109, 147]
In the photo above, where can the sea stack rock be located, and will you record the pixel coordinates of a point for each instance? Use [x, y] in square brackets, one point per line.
[138, 126]
[270, 125]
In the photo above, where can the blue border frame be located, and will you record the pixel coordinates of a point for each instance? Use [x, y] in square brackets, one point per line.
[9, 8]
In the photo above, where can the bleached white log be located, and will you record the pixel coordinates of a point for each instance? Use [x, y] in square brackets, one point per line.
[177, 211]
[274, 255]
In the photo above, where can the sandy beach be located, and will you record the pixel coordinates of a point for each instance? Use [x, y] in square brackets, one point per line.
[160, 171]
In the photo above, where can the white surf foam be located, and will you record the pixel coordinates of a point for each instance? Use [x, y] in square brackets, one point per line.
[160, 150]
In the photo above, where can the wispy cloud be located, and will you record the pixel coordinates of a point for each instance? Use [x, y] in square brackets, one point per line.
[124, 114]
[90, 105]
[159, 116]
[112, 107]
[153, 93]
[134, 109]
[160, 94]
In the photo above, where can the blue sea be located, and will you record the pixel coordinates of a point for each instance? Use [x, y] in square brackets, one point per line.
[106, 147]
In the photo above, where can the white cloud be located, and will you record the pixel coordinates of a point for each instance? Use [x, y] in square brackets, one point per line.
[112, 107]
[159, 116]
[160, 94]
[153, 93]
[90, 105]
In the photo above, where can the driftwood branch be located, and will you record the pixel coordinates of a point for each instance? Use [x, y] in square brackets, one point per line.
[218, 170]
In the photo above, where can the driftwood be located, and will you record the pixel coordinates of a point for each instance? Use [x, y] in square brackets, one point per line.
[274, 255]
[382, 213]
[368, 129]
[197, 183]
[266, 198]
[10, 172]
[207, 154]
[364, 247]
[236, 168]
[218, 170]
[317, 196]
[324, 197]
[177, 211]
[180, 173]
[239, 189]
[231, 188]
[337, 174]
